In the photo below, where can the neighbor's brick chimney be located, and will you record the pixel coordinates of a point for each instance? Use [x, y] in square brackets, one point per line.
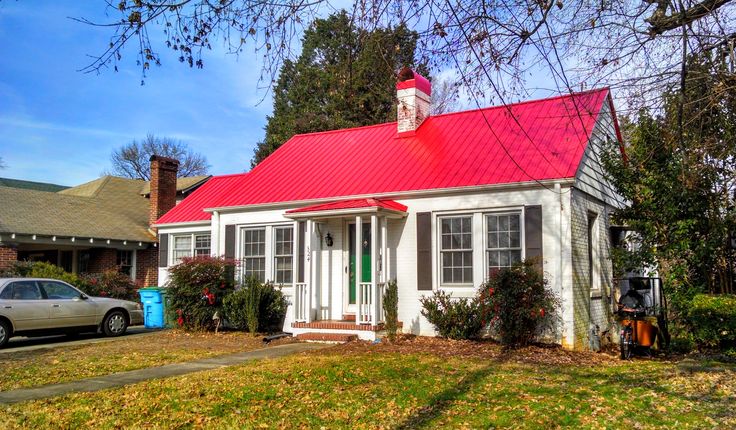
[163, 186]
[413, 91]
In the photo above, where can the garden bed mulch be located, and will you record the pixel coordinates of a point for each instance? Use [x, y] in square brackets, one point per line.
[484, 349]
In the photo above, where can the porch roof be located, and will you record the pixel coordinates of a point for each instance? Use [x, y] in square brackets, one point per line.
[349, 206]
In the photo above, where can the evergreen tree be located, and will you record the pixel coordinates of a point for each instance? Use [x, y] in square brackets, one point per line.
[344, 77]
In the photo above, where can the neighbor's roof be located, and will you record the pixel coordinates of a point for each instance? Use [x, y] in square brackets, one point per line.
[106, 208]
[31, 185]
[523, 142]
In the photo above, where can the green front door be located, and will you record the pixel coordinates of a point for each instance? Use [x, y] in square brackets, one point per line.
[365, 260]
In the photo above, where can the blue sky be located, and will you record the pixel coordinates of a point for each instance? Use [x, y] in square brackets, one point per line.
[60, 125]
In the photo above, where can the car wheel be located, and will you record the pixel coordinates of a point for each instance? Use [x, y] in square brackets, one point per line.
[4, 333]
[115, 324]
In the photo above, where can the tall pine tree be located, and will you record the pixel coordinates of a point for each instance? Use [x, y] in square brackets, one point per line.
[344, 77]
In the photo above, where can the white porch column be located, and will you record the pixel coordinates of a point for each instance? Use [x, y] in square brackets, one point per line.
[374, 270]
[384, 249]
[295, 301]
[358, 264]
[308, 268]
[215, 234]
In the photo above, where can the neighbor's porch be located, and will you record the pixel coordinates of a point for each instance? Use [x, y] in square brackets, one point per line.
[334, 243]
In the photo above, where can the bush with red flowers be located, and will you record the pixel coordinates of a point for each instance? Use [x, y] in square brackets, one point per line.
[518, 304]
[196, 288]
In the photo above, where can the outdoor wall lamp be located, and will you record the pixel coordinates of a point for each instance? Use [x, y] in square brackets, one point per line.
[328, 240]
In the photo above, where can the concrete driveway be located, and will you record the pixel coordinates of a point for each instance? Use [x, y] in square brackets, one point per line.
[20, 344]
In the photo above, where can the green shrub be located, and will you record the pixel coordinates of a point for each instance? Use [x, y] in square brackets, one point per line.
[256, 307]
[517, 304]
[391, 310]
[40, 269]
[107, 284]
[196, 288]
[452, 318]
[713, 321]
[112, 284]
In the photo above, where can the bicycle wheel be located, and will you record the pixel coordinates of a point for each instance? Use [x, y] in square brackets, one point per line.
[626, 344]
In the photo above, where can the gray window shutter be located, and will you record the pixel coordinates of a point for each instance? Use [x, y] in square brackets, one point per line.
[163, 250]
[230, 248]
[424, 251]
[533, 235]
[229, 241]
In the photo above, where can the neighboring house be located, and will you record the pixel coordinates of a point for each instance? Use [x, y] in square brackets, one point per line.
[432, 202]
[101, 225]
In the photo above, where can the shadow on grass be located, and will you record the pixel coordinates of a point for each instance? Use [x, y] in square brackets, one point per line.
[443, 401]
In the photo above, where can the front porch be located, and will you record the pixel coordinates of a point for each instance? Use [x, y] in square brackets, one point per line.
[328, 298]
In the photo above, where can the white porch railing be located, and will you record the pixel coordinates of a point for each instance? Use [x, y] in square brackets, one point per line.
[368, 308]
[381, 316]
[301, 302]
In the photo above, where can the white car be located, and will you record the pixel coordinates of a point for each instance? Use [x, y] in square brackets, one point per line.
[39, 307]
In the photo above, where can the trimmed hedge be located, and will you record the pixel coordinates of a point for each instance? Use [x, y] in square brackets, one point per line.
[256, 307]
[453, 318]
[713, 321]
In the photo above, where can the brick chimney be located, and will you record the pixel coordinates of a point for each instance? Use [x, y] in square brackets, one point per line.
[163, 186]
[413, 92]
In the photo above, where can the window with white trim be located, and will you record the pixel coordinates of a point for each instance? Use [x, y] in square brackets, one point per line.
[456, 249]
[503, 240]
[254, 253]
[189, 245]
[283, 254]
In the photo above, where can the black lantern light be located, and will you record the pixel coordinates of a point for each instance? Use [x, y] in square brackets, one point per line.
[328, 240]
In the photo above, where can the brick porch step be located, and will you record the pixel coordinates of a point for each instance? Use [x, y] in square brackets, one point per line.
[327, 337]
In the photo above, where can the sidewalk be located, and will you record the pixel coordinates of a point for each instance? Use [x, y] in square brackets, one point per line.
[134, 376]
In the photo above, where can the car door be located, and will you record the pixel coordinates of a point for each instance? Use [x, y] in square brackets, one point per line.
[23, 303]
[66, 306]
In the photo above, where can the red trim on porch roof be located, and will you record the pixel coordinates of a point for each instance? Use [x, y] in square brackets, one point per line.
[352, 204]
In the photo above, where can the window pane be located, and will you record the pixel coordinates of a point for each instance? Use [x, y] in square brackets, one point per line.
[57, 290]
[446, 226]
[493, 240]
[503, 240]
[26, 290]
[503, 223]
[515, 256]
[183, 242]
[515, 239]
[514, 222]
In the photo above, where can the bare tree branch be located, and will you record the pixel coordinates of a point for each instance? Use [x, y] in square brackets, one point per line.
[132, 160]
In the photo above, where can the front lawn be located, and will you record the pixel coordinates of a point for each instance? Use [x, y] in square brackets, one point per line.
[420, 383]
[68, 363]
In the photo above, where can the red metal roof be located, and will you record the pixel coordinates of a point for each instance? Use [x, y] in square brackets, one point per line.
[353, 204]
[191, 209]
[523, 142]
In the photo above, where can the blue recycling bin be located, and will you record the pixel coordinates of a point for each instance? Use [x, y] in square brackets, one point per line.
[153, 307]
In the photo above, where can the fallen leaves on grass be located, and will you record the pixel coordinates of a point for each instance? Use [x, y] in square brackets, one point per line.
[51, 366]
